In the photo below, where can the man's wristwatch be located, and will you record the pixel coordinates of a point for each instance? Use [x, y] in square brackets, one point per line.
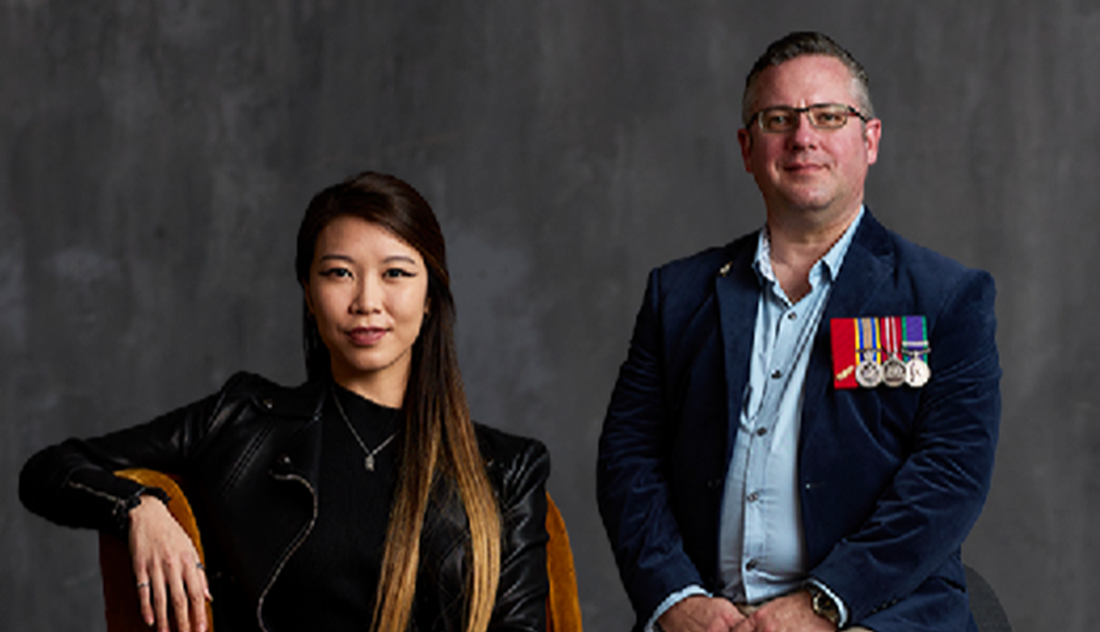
[823, 605]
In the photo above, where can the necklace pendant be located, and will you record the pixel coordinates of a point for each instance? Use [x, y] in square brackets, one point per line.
[369, 462]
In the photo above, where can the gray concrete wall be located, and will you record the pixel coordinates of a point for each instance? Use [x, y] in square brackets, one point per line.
[155, 158]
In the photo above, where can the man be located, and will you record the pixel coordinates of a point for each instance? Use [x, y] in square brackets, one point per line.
[802, 434]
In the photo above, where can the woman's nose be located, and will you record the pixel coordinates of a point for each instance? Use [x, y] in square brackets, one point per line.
[368, 296]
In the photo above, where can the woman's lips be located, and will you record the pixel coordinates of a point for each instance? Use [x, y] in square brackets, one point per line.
[366, 336]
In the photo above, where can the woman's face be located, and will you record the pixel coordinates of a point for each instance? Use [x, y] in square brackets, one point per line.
[368, 291]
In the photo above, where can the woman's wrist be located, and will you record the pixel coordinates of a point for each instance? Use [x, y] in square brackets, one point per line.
[126, 506]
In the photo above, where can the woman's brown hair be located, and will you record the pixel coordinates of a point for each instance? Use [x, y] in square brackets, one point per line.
[439, 442]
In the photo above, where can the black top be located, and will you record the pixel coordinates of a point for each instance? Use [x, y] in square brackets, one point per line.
[329, 583]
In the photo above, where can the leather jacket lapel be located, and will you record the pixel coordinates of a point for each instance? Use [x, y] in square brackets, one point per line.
[299, 452]
[288, 454]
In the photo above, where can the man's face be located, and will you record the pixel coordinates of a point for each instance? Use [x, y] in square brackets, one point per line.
[807, 170]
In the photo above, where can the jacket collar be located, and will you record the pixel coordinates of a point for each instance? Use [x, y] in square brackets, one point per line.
[303, 401]
[298, 452]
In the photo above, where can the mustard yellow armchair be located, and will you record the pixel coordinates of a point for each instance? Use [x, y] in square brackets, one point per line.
[563, 613]
[563, 609]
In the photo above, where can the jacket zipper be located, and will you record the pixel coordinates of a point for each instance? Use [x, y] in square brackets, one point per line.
[294, 546]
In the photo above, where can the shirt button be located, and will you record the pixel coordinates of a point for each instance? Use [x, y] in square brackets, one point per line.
[753, 497]
[777, 374]
[751, 565]
[760, 432]
[792, 316]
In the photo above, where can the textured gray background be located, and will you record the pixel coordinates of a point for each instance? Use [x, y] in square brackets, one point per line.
[155, 158]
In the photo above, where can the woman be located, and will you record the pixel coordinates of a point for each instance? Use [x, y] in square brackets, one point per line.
[364, 497]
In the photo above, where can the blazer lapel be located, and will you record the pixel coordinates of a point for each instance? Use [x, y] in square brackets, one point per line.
[738, 293]
[868, 265]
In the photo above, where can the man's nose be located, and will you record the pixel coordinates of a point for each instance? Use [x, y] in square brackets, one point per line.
[804, 133]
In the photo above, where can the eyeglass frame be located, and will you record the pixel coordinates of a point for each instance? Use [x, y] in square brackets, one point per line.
[798, 112]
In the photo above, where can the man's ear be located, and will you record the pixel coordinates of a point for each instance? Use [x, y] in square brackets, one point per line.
[744, 138]
[872, 134]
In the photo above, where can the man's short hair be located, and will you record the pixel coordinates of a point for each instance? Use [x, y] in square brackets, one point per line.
[807, 43]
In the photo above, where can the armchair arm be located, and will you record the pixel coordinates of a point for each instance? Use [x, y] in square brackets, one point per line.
[563, 610]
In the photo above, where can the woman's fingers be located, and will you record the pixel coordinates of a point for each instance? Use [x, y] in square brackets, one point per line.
[144, 598]
[189, 597]
[160, 599]
[197, 591]
[170, 592]
[206, 585]
[178, 595]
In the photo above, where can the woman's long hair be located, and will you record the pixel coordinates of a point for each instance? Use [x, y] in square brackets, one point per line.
[439, 441]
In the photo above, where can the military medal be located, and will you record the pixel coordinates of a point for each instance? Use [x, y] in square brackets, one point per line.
[890, 350]
[869, 371]
[917, 372]
[869, 374]
[915, 345]
[893, 370]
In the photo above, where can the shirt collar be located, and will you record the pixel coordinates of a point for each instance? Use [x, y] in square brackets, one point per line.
[828, 264]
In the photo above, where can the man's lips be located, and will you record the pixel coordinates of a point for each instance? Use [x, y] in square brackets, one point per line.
[803, 167]
[366, 336]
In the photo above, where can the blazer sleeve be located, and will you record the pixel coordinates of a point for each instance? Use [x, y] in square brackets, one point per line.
[73, 483]
[633, 486]
[926, 511]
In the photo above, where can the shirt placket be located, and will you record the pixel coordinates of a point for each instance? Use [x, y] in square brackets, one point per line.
[762, 429]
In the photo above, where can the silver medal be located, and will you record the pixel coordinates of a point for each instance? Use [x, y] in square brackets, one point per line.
[917, 372]
[869, 374]
[894, 372]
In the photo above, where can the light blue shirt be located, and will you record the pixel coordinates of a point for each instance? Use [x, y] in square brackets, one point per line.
[761, 548]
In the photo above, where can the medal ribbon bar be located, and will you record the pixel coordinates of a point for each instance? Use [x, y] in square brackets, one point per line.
[843, 332]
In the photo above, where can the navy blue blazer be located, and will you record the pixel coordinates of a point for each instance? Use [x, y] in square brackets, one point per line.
[891, 479]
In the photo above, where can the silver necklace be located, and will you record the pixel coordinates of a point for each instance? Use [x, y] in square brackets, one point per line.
[368, 462]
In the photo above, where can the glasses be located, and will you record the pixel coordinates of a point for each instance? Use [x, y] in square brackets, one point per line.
[826, 116]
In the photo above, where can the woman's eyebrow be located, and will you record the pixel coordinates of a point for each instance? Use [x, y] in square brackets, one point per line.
[390, 259]
[337, 257]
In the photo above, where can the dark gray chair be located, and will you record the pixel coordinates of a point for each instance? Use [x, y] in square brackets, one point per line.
[984, 605]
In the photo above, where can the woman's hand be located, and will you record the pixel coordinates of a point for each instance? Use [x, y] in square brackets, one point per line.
[167, 568]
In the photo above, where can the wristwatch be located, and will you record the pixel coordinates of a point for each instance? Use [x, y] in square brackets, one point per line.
[823, 605]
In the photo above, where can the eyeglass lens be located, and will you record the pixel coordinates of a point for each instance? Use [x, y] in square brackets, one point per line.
[823, 116]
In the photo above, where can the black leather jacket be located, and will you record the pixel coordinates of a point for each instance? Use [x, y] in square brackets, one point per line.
[249, 456]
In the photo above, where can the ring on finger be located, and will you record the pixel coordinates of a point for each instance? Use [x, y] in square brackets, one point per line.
[200, 566]
[142, 585]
